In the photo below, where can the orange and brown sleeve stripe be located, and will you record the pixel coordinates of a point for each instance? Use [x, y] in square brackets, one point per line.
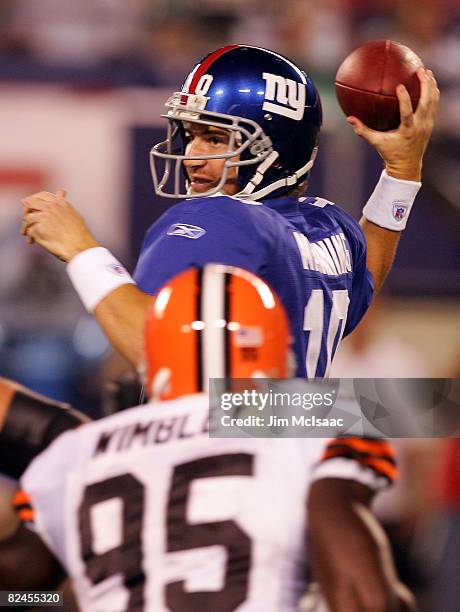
[23, 506]
[378, 455]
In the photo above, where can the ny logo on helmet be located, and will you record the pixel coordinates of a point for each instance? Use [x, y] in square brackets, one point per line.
[289, 95]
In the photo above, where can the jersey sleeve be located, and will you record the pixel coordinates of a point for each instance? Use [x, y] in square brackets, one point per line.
[40, 501]
[211, 230]
[362, 288]
[369, 461]
[30, 424]
[28, 510]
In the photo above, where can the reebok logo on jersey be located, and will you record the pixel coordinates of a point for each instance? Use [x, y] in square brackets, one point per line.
[185, 230]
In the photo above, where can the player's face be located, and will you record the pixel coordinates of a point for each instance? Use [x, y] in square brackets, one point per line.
[204, 174]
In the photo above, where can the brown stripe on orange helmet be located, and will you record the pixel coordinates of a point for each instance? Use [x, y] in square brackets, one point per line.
[218, 322]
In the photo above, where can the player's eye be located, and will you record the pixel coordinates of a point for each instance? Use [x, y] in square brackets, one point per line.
[217, 139]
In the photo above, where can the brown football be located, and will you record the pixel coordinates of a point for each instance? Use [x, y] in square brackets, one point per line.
[366, 82]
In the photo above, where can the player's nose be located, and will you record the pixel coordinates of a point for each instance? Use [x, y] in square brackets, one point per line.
[194, 163]
[196, 146]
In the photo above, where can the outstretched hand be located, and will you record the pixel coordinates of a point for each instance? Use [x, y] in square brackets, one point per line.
[402, 150]
[52, 222]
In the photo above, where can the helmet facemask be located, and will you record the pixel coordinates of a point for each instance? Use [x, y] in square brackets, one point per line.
[248, 145]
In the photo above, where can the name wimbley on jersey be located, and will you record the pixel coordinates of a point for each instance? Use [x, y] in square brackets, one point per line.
[309, 250]
[153, 431]
[179, 521]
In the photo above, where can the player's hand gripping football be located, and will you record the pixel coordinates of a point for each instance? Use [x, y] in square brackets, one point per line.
[52, 222]
[402, 149]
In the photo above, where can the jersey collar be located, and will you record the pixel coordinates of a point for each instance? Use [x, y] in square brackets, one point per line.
[283, 205]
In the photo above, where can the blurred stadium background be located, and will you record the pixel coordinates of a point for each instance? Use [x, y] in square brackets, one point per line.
[82, 88]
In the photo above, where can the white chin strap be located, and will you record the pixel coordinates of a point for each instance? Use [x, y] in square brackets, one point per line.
[289, 181]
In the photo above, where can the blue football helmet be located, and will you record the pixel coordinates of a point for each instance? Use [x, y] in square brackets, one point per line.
[271, 109]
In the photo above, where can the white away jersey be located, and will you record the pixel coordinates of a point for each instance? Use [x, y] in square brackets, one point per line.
[146, 512]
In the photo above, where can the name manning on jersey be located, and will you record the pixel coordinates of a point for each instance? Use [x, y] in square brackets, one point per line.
[329, 256]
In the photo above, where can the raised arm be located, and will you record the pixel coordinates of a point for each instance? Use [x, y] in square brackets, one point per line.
[402, 151]
[118, 305]
[122, 317]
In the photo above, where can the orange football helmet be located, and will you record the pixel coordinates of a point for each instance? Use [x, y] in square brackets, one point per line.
[214, 322]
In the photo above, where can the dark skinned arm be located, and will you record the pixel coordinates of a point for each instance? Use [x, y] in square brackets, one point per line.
[350, 553]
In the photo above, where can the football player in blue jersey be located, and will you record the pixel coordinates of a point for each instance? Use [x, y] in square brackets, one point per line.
[244, 129]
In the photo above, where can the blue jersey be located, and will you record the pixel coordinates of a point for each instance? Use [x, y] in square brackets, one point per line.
[310, 255]
[338, 287]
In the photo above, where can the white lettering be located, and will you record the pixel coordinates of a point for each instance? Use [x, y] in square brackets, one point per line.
[289, 95]
[333, 254]
[304, 247]
[204, 84]
[323, 258]
[329, 256]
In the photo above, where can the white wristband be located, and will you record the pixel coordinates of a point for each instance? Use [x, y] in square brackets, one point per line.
[94, 274]
[391, 202]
